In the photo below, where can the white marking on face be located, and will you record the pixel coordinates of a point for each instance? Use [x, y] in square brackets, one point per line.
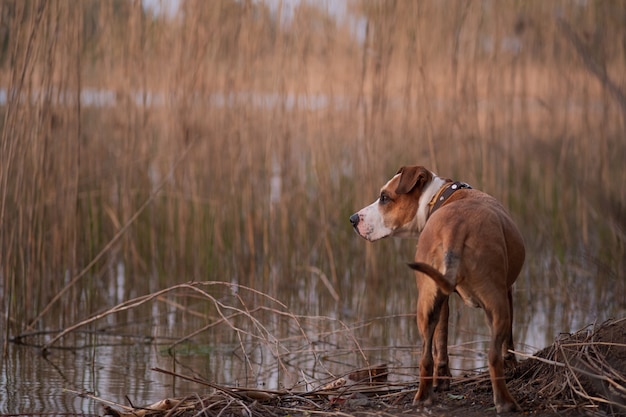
[372, 225]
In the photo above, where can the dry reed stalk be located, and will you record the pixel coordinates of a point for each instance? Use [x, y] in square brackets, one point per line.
[111, 243]
[193, 287]
[273, 176]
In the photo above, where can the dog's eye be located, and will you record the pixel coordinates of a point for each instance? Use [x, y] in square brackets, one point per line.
[384, 198]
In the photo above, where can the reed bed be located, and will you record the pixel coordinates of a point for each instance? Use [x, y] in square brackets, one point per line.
[232, 141]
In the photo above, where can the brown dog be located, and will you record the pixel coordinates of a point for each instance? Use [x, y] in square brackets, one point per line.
[467, 244]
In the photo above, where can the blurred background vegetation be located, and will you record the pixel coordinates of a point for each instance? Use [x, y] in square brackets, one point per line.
[231, 140]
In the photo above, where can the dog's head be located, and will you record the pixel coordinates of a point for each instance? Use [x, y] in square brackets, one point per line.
[402, 207]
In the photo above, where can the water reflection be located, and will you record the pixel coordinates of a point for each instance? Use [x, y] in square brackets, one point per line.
[297, 336]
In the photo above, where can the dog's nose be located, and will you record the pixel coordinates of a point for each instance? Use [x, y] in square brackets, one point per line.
[354, 219]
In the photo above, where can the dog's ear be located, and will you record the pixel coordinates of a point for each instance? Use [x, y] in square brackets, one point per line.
[411, 177]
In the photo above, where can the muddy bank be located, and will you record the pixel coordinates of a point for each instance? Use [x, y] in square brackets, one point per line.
[579, 374]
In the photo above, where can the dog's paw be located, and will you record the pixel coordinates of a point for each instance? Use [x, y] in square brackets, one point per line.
[423, 403]
[423, 399]
[507, 407]
[442, 384]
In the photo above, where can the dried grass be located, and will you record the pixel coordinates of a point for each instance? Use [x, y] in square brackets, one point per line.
[586, 370]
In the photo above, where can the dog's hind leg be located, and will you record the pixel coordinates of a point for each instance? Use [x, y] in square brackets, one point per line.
[442, 373]
[500, 322]
[509, 358]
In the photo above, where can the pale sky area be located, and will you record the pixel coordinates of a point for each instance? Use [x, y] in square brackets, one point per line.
[337, 8]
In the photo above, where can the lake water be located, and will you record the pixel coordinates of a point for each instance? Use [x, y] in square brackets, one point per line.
[292, 334]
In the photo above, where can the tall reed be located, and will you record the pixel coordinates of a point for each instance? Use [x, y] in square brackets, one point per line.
[231, 141]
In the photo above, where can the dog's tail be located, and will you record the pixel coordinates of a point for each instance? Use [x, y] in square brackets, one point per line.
[444, 285]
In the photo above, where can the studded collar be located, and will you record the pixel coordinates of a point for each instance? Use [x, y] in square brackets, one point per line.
[444, 193]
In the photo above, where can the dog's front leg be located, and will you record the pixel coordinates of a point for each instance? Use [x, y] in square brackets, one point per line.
[429, 304]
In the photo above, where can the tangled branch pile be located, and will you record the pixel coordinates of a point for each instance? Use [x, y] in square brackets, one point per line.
[584, 370]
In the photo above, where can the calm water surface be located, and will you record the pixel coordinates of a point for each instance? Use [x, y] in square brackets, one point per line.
[298, 336]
